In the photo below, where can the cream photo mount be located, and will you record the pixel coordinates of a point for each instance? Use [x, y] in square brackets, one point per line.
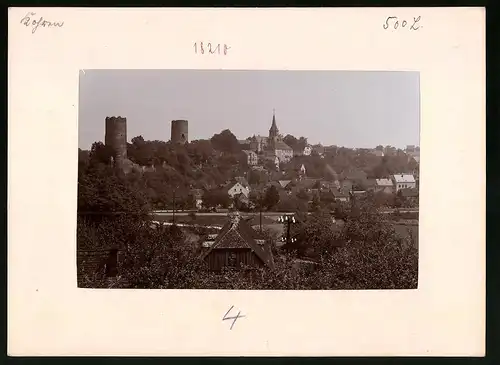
[49, 315]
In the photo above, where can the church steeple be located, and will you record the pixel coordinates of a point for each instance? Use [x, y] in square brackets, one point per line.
[273, 131]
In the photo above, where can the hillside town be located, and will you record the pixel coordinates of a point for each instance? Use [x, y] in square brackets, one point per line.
[256, 210]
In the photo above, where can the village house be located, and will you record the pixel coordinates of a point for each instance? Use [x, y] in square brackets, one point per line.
[243, 199]
[346, 184]
[284, 187]
[237, 245]
[340, 195]
[384, 185]
[282, 151]
[258, 143]
[404, 181]
[318, 149]
[306, 151]
[252, 158]
[305, 184]
[237, 188]
[284, 183]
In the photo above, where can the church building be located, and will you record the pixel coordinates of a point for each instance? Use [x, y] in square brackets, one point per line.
[276, 145]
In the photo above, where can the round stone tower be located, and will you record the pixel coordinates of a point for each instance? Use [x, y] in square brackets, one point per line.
[179, 132]
[116, 137]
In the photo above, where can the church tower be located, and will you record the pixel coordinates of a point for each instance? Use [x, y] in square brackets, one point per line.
[273, 131]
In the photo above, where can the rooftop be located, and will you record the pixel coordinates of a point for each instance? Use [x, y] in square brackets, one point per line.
[404, 178]
[384, 182]
[280, 145]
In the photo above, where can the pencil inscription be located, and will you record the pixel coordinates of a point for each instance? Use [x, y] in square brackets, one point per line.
[234, 318]
[41, 22]
[211, 48]
[393, 22]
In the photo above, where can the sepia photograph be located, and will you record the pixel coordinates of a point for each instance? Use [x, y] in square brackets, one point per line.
[248, 180]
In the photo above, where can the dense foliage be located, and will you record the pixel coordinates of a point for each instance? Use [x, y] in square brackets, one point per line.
[114, 211]
[209, 164]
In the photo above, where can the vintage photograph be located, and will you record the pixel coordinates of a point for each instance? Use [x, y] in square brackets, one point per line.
[248, 180]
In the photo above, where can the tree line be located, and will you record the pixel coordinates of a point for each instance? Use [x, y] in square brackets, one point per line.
[175, 170]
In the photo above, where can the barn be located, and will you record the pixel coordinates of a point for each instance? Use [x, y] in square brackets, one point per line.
[238, 245]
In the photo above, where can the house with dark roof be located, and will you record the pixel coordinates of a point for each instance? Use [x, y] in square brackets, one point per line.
[242, 181]
[238, 245]
[340, 195]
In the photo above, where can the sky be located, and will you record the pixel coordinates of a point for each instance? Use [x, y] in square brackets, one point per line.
[357, 109]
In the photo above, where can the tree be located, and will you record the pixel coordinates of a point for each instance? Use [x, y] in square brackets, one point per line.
[315, 203]
[83, 158]
[103, 190]
[226, 141]
[100, 154]
[215, 198]
[291, 141]
[201, 151]
[254, 177]
[272, 197]
[142, 152]
[302, 143]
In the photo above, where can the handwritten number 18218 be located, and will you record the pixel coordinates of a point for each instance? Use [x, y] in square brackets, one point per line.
[209, 48]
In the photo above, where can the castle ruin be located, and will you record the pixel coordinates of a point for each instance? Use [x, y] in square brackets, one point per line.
[116, 137]
[179, 131]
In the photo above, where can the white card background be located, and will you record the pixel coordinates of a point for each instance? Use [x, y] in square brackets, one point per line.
[49, 315]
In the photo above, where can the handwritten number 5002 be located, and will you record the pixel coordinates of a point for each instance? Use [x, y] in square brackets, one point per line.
[393, 22]
[200, 47]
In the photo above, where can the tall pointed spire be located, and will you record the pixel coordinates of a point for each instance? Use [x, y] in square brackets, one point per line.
[273, 131]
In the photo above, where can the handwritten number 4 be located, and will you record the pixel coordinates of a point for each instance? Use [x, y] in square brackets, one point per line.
[225, 318]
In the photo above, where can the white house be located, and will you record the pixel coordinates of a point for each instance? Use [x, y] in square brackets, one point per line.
[404, 181]
[238, 188]
[252, 158]
[282, 151]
